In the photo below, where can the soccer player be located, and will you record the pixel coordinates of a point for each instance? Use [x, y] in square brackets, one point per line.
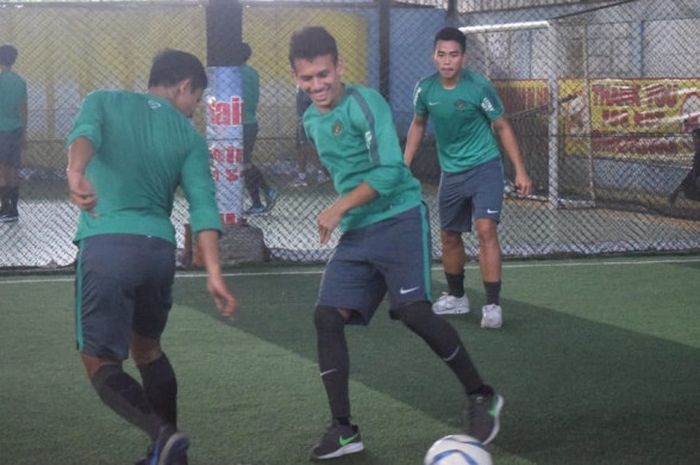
[127, 153]
[253, 177]
[13, 124]
[385, 245]
[466, 111]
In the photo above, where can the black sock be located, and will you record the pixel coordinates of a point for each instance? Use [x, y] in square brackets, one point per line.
[455, 284]
[13, 197]
[493, 293]
[333, 359]
[342, 420]
[125, 396]
[4, 200]
[442, 338]
[160, 385]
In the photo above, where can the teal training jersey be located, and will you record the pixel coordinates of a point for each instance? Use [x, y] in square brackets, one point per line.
[251, 93]
[357, 142]
[143, 149]
[461, 119]
[13, 95]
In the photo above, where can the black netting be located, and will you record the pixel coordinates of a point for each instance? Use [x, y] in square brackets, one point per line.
[603, 97]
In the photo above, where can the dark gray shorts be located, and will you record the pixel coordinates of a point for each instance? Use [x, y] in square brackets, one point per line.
[470, 195]
[392, 255]
[11, 148]
[123, 282]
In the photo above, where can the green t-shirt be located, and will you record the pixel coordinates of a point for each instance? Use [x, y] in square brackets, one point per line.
[461, 118]
[357, 142]
[251, 93]
[144, 148]
[13, 96]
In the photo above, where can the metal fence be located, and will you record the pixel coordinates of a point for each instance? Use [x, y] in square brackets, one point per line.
[603, 97]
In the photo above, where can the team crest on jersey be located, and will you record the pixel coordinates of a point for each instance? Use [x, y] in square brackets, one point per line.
[487, 105]
[460, 105]
[337, 128]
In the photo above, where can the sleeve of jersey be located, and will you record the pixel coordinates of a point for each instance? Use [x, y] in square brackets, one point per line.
[88, 124]
[388, 168]
[419, 107]
[491, 104]
[199, 189]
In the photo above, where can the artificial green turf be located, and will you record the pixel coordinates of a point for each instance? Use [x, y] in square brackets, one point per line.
[598, 363]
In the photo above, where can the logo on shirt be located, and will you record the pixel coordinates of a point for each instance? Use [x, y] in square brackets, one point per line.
[432, 104]
[487, 105]
[337, 128]
[154, 105]
[368, 139]
[460, 105]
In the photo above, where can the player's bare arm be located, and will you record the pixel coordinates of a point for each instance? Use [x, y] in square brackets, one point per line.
[208, 241]
[504, 131]
[329, 218]
[82, 194]
[414, 138]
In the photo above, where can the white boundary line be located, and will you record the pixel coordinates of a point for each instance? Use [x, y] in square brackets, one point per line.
[567, 264]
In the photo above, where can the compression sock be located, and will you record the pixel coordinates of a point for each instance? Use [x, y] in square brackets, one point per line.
[333, 359]
[160, 385]
[455, 284]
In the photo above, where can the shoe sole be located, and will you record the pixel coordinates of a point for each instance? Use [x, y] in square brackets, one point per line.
[351, 448]
[175, 445]
[496, 423]
[487, 325]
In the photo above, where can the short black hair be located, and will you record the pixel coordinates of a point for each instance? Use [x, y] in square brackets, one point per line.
[312, 42]
[451, 33]
[8, 55]
[172, 66]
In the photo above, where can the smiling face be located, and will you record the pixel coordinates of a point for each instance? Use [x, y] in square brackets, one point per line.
[448, 59]
[320, 78]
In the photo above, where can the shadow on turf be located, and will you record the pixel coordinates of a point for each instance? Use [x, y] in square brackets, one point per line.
[577, 392]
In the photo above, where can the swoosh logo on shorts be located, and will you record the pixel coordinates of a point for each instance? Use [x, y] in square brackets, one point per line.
[403, 291]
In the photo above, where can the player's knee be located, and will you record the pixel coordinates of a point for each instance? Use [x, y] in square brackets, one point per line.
[144, 350]
[414, 315]
[328, 319]
[451, 239]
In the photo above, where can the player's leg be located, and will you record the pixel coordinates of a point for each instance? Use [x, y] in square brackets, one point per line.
[488, 203]
[455, 218]
[104, 312]
[406, 269]
[347, 283]
[6, 149]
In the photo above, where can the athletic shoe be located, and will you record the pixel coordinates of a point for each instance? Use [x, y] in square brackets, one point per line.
[255, 210]
[9, 217]
[270, 198]
[451, 305]
[169, 449]
[481, 416]
[299, 182]
[492, 316]
[338, 440]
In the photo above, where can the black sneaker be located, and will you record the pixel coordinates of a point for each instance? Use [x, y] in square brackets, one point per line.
[169, 449]
[481, 416]
[9, 216]
[338, 440]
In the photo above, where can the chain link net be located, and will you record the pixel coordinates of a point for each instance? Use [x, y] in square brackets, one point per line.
[603, 97]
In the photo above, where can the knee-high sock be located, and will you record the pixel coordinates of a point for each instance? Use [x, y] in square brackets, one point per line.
[125, 396]
[442, 338]
[333, 359]
[160, 386]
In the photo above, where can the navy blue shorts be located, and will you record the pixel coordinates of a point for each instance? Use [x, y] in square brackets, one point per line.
[11, 148]
[392, 255]
[472, 194]
[123, 283]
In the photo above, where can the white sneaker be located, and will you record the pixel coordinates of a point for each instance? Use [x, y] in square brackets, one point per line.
[492, 316]
[451, 305]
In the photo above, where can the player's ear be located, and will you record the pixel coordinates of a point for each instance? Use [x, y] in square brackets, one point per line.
[185, 86]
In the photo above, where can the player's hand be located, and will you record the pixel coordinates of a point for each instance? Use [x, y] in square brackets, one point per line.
[327, 221]
[223, 299]
[523, 184]
[82, 194]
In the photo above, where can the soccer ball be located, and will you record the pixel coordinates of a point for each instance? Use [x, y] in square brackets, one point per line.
[457, 449]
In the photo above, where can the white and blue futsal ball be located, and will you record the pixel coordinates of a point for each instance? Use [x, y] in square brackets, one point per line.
[457, 449]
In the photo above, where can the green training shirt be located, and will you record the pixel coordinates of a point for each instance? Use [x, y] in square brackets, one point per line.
[251, 94]
[461, 118]
[357, 142]
[143, 149]
[13, 95]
